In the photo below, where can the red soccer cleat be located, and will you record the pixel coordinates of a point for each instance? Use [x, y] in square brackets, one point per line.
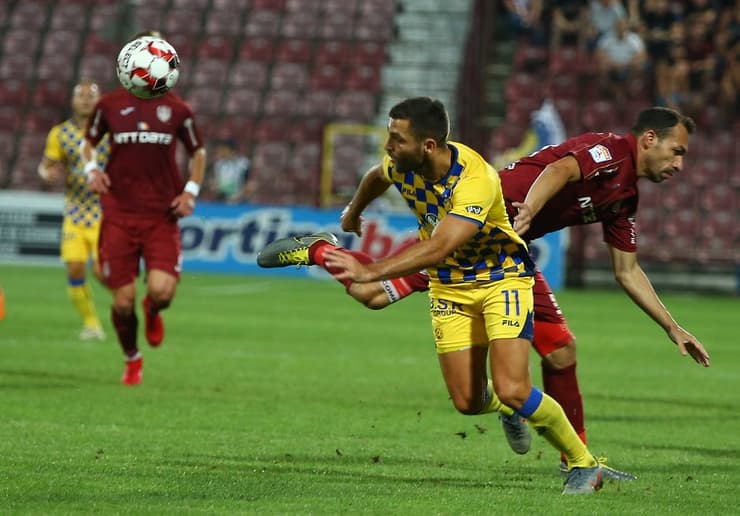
[154, 327]
[133, 372]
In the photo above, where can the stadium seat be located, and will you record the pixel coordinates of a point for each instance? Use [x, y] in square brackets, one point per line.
[96, 67]
[295, 51]
[282, 103]
[204, 100]
[307, 130]
[10, 118]
[185, 21]
[384, 8]
[216, 46]
[42, 120]
[234, 6]
[200, 5]
[292, 6]
[248, 74]
[269, 159]
[237, 127]
[223, 23]
[564, 86]
[363, 77]
[369, 53]
[268, 5]
[263, 24]
[336, 26]
[300, 25]
[51, 94]
[68, 17]
[374, 29]
[318, 104]
[209, 72]
[29, 16]
[272, 130]
[13, 92]
[103, 19]
[345, 6]
[95, 45]
[334, 52]
[20, 42]
[356, 106]
[63, 44]
[291, 76]
[326, 77]
[185, 45]
[600, 116]
[16, 67]
[523, 85]
[677, 196]
[258, 49]
[569, 111]
[716, 197]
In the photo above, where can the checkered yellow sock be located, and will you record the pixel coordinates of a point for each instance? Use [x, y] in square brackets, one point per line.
[81, 296]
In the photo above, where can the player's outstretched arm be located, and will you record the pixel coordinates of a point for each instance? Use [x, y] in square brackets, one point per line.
[636, 284]
[372, 186]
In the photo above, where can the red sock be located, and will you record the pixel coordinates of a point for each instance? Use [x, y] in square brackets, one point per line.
[562, 386]
[316, 255]
[398, 288]
[126, 326]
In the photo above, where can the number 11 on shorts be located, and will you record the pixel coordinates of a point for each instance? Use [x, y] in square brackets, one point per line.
[508, 295]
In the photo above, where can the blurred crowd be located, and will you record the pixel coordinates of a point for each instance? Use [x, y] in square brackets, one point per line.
[689, 50]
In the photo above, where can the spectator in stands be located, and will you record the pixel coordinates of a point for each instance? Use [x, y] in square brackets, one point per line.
[568, 23]
[656, 20]
[621, 56]
[82, 215]
[603, 17]
[730, 81]
[701, 60]
[525, 18]
[230, 176]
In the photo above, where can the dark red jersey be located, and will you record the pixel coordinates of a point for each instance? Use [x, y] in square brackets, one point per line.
[142, 167]
[606, 193]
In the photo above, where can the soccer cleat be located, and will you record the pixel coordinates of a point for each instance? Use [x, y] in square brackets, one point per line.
[607, 472]
[153, 325]
[517, 433]
[583, 481]
[92, 333]
[133, 372]
[292, 250]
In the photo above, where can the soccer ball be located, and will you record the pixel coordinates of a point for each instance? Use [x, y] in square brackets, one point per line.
[147, 67]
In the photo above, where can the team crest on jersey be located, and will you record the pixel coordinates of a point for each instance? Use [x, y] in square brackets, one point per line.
[142, 126]
[164, 113]
[430, 219]
[600, 154]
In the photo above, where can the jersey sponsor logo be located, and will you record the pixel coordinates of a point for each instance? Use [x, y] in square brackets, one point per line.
[610, 170]
[164, 113]
[509, 322]
[600, 154]
[588, 212]
[475, 210]
[143, 137]
[444, 307]
[127, 110]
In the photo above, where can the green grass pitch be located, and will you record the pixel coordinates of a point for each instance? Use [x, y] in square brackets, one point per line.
[282, 396]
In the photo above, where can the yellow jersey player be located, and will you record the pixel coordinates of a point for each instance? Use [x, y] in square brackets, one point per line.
[82, 214]
[480, 277]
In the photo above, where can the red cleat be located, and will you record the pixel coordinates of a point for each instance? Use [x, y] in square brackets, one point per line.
[154, 327]
[133, 372]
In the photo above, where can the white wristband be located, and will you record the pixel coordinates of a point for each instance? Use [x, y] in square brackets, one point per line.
[192, 188]
[89, 167]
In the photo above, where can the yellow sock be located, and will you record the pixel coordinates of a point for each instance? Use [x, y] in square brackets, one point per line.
[548, 418]
[493, 404]
[81, 297]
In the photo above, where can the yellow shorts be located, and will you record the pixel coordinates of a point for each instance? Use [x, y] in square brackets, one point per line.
[473, 315]
[79, 242]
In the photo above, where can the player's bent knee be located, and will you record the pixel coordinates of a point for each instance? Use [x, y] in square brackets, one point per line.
[562, 357]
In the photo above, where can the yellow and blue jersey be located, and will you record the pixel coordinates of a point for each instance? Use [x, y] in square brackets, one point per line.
[81, 206]
[471, 189]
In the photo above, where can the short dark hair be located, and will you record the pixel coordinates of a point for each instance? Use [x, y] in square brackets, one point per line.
[661, 120]
[149, 33]
[427, 117]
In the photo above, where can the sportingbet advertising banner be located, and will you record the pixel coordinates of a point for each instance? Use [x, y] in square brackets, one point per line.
[227, 238]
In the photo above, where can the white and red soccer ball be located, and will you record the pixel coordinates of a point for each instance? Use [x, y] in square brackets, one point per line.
[148, 67]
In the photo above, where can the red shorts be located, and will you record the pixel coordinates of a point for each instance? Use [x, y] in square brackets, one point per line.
[550, 329]
[125, 241]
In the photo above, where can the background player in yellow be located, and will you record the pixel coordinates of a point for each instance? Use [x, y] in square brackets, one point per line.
[480, 273]
[82, 215]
